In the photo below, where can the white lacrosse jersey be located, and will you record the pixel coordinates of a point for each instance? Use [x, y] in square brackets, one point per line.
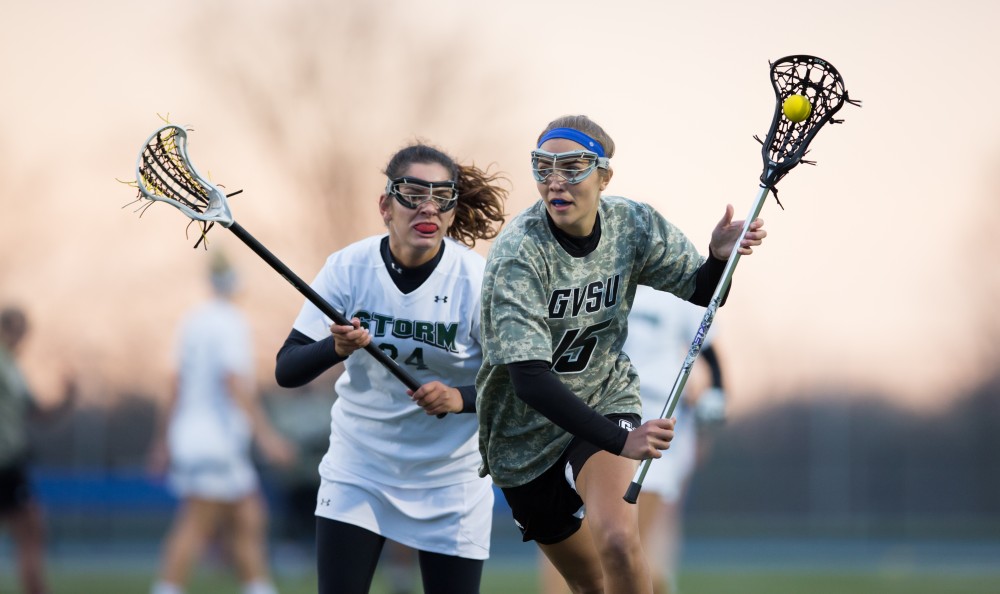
[376, 430]
[660, 330]
[209, 433]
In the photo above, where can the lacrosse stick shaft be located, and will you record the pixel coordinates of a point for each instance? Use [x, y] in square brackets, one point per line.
[319, 302]
[632, 493]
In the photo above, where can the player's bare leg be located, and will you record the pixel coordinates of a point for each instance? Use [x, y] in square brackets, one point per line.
[550, 581]
[27, 528]
[605, 555]
[576, 560]
[194, 525]
[614, 523]
[659, 530]
[247, 540]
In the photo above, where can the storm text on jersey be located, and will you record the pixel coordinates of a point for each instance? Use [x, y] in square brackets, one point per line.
[438, 334]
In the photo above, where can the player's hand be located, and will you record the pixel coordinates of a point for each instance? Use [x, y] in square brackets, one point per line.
[276, 449]
[436, 398]
[727, 233]
[347, 339]
[647, 441]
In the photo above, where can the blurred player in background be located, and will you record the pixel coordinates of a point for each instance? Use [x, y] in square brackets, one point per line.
[660, 330]
[19, 510]
[204, 442]
[400, 568]
[393, 469]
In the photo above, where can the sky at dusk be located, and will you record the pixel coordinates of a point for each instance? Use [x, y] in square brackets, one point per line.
[874, 276]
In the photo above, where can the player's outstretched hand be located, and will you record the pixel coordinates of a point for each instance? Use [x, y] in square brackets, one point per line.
[276, 449]
[347, 339]
[727, 233]
[647, 441]
[436, 398]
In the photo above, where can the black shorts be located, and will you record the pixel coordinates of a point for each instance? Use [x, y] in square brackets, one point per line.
[15, 490]
[548, 509]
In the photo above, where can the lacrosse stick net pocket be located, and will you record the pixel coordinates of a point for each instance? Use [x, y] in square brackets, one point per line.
[786, 142]
[164, 173]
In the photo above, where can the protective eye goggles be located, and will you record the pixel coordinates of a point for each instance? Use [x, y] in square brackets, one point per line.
[572, 166]
[412, 192]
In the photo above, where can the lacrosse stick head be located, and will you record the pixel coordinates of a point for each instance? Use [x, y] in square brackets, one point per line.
[786, 142]
[164, 173]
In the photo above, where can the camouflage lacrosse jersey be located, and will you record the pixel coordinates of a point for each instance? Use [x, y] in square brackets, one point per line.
[540, 303]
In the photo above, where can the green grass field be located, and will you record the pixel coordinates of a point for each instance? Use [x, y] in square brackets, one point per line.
[498, 581]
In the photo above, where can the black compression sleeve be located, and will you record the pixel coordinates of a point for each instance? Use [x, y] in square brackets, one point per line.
[468, 398]
[539, 387]
[712, 358]
[302, 359]
[706, 279]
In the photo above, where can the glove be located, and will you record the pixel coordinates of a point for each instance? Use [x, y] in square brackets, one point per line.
[710, 409]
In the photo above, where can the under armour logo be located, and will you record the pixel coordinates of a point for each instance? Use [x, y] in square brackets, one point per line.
[396, 268]
[324, 502]
[626, 424]
[440, 299]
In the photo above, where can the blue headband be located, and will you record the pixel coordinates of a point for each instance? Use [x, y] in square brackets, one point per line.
[574, 135]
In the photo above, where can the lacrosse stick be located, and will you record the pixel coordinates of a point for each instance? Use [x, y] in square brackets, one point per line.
[783, 148]
[164, 173]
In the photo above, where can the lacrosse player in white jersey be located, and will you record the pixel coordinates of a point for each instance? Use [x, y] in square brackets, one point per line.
[203, 441]
[394, 469]
[661, 328]
[558, 403]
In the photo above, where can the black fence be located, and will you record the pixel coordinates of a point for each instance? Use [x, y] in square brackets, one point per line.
[824, 465]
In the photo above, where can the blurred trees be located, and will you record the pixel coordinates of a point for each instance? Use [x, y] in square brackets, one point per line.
[332, 89]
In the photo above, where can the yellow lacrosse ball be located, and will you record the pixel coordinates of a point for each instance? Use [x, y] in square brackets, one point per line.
[797, 108]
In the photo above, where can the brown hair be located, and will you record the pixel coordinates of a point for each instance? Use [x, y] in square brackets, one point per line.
[586, 125]
[479, 213]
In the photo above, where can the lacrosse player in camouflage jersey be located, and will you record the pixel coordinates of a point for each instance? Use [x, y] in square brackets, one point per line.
[558, 401]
